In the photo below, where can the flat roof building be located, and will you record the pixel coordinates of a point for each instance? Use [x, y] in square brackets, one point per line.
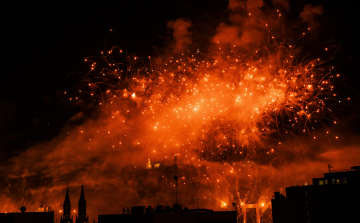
[333, 198]
[27, 217]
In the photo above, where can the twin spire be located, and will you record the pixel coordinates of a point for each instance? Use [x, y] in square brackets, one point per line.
[82, 196]
[81, 217]
[67, 198]
[66, 218]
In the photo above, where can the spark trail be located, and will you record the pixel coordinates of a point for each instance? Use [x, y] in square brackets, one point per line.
[226, 106]
[222, 114]
[230, 114]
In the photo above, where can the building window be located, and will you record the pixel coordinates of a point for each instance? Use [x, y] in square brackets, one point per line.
[337, 181]
[326, 182]
[333, 181]
[344, 181]
[321, 182]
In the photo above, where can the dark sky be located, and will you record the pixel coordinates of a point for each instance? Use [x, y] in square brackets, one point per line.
[42, 42]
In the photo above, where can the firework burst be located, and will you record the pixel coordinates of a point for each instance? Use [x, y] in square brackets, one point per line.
[227, 104]
[222, 112]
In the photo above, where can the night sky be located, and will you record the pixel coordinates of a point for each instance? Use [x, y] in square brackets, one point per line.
[43, 43]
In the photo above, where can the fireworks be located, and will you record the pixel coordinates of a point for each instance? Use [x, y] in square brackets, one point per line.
[244, 120]
[217, 112]
[225, 106]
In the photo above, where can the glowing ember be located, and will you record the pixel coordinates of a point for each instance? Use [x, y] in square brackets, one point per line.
[235, 114]
[227, 105]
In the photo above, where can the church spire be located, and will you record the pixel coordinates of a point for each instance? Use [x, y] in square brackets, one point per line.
[82, 200]
[67, 208]
[82, 208]
[67, 198]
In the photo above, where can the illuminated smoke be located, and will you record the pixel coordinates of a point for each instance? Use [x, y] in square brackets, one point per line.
[247, 24]
[281, 3]
[239, 118]
[309, 13]
[181, 34]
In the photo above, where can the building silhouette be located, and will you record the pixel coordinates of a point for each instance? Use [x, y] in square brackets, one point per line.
[27, 217]
[176, 214]
[45, 215]
[66, 217]
[333, 198]
[81, 217]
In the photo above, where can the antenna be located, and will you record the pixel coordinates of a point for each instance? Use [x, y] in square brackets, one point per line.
[329, 167]
[176, 178]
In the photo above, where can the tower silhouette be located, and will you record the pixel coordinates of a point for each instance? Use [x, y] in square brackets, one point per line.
[176, 179]
[66, 217]
[82, 217]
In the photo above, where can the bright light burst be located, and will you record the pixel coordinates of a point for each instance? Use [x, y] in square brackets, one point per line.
[228, 104]
[223, 108]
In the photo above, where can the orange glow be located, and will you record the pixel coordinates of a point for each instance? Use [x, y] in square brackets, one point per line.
[233, 114]
[261, 94]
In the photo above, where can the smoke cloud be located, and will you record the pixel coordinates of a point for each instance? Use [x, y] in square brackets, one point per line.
[281, 4]
[109, 154]
[309, 14]
[248, 24]
[115, 175]
[181, 34]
